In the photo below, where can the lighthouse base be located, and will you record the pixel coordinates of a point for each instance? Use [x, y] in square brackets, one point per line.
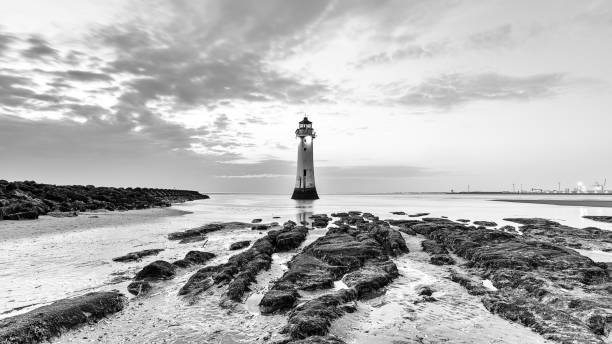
[305, 193]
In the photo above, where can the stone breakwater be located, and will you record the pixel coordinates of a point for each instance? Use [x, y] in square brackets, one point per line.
[28, 199]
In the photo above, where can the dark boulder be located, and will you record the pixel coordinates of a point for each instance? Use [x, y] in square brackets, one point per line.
[256, 221]
[133, 256]
[240, 244]
[441, 259]
[194, 258]
[432, 247]
[158, 270]
[278, 300]
[485, 223]
[139, 287]
[43, 323]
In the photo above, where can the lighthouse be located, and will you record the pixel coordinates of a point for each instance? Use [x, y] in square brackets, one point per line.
[304, 180]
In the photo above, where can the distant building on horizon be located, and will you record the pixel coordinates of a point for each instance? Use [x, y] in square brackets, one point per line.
[304, 181]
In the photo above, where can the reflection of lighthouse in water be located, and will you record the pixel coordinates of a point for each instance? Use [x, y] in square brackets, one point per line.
[304, 181]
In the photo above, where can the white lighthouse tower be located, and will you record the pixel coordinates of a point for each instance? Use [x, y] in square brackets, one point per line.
[304, 180]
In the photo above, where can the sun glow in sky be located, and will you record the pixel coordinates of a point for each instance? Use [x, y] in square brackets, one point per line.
[404, 95]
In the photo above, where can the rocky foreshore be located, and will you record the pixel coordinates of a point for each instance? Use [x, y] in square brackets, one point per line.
[28, 199]
[529, 275]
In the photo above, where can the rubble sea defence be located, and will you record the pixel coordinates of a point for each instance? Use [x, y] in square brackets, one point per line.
[27, 200]
[528, 275]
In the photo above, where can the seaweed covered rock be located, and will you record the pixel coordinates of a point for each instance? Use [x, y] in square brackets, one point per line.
[28, 199]
[133, 256]
[239, 244]
[194, 258]
[158, 270]
[314, 317]
[139, 287]
[278, 300]
[43, 323]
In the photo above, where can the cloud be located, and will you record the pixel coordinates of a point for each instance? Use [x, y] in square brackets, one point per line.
[494, 38]
[448, 90]
[39, 49]
[5, 41]
[221, 122]
[80, 75]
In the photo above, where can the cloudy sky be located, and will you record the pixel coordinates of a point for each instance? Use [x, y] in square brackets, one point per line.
[405, 95]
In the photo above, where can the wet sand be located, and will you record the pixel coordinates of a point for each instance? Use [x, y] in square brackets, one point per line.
[86, 220]
[564, 202]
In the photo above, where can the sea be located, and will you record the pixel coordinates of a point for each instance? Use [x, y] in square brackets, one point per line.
[53, 258]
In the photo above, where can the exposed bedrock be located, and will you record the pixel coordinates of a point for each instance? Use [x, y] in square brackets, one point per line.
[133, 256]
[607, 219]
[163, 270]
[359, 256]
[241, 269]
[557, 292]
[49, 321]
[314, 317]
[556, 233]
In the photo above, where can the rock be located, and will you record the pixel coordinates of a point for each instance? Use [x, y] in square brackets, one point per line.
[463, 220]
[398, 213]
[508, 229]
[256, 221]
[278, 300]
[139, 288]
[473, 286]
[339, 214]
[260, 227]
[418, 214]
[485, 223]
[240, 244]
[607, 219]
[201, 280]
[441, 259]
[371, 277]
[426, 291]
[314, 317]
[193, 239]
[432, 247]
[317, 340]
[196, 232]
[44, 323]
[133, 256]
[194, 258]
[28, 199]
[158, 270]
[554, 290]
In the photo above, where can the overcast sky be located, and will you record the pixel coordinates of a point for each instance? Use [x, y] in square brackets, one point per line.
[405, 95]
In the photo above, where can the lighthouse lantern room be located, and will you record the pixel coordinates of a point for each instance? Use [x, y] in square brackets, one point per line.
[304, 180]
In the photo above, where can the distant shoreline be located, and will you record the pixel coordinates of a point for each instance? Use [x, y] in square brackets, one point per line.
[573, 203]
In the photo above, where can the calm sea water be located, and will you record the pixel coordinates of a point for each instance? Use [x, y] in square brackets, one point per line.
[50, 259]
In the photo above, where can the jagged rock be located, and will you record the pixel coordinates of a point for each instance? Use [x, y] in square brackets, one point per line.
[158, 270]
[441, 259]
[240, 244]
[133, 256]
[196, 232]
[139, 287]
[194, 258]
[28, 199]
[43, 323]
[314, 317]
[201, 280]
[316, 340]
[277, 300]
[473, 286]
[372, 276]
[607, 219]
[432, 247]
[339, 214]
[418, 214]
[426, 291]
